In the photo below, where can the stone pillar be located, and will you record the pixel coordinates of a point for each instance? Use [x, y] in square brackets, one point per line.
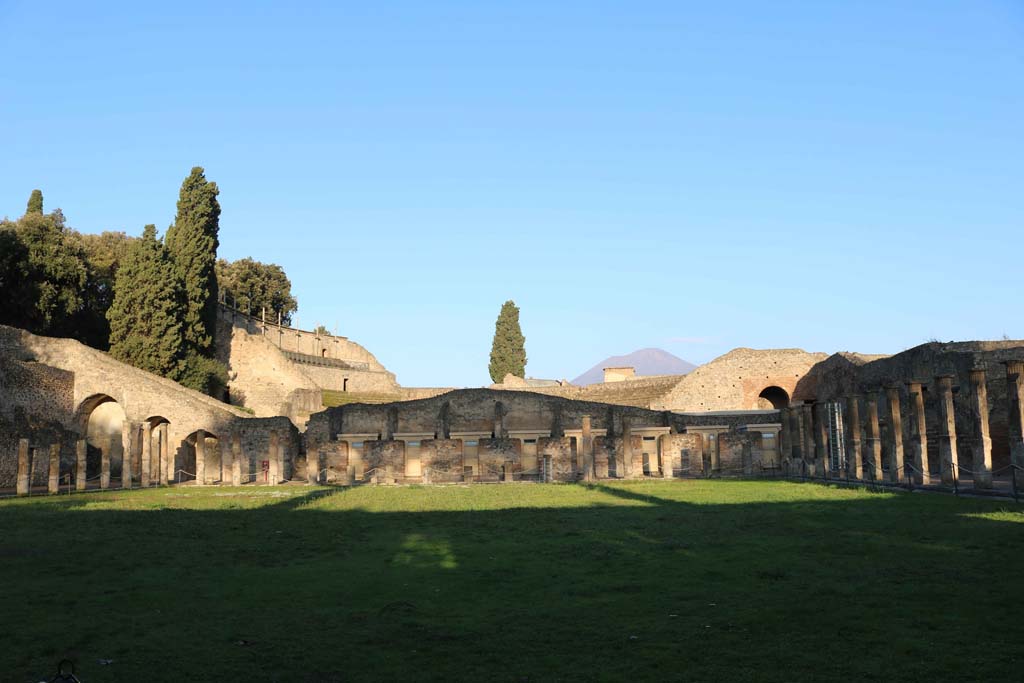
[1015, 393]
[147, 454]
[201, 457]
[24, 468]
[355, 461]
[236, 459]
[807, 432]
[948, 463]
[982, 451]
[507, 472]
[785, 441]
[81, 448]
[587, 450]
[312, 464]
[627, 447]
[105, 464]
[896, 465]
[166, 454]
[822, 464]
[225, 461]
[874, 438]
[126, 454]
[797, 442]
[274, 474]
[854, 457]
[666, 456]
[918, 435]
[53, 482]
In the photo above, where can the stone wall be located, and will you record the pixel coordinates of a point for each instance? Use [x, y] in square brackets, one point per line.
[283, 371]
[51, 387]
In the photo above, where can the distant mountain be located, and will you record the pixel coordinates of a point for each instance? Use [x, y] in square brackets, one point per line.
[646, 362]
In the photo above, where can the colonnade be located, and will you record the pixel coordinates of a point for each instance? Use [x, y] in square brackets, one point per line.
[157, 465]
[904, 457]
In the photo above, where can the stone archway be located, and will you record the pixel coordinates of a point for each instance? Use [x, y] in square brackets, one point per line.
[199, 457]
[773, 398]
[101, 420]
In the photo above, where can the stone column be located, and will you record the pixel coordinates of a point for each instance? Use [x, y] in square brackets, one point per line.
[1015, 393]
[236, 459]
[224, 447]
[822, 464]
[272, 457]
[126, 454]
[874, 438]
[24, 468]
[587, 450]
[854, 458]
[948, 464]
[896, 465]
[627, 448]
[312, 464]
[147, 453]
[797, 448]
[53, 483]
[201, 457]
[170, 455]
[507, 472]
[81, 449]
[785, 441]
[105, 464]
[918, 435]
[666, 456]
[982, 450]
[807, 430]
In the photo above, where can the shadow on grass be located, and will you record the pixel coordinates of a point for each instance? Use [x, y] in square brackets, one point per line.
[630, 581]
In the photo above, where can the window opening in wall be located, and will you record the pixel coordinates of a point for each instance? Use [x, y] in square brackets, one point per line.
[471, 443]
[836, 436]
[529, 440]
[344, 384]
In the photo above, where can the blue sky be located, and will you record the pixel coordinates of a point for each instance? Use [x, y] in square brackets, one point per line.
[692, 176]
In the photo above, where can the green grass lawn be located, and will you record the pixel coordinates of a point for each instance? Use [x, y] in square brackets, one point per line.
[680, 580]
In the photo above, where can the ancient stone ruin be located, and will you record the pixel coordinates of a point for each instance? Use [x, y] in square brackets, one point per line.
[73, 418]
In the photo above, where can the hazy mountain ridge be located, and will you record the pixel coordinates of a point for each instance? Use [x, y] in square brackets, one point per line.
[646, 361]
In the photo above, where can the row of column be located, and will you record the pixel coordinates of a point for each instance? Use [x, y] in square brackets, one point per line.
[805, 429]
[156, 464]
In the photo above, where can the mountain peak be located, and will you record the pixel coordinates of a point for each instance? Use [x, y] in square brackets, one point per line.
[650, 361]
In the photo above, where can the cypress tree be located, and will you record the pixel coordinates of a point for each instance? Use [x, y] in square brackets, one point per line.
[35, 202]
[508, 350]
[145, 330]
[192, 244]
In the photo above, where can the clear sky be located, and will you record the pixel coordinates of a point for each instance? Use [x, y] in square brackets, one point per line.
[692, 176]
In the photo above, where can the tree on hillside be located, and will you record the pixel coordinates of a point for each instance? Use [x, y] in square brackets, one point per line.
[145, 329]
[253, 286]
[103, 255]
[508, 350]
[192, 244]
[35, 202]
[45, 274]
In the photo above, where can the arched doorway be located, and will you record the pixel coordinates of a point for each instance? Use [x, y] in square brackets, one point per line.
[101, 420]
[199, 458]
[773, 398]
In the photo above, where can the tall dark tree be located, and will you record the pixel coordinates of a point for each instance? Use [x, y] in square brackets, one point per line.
[145, 329]
[35, 202]
[508, 351]
[192, 244]
[253, 286]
